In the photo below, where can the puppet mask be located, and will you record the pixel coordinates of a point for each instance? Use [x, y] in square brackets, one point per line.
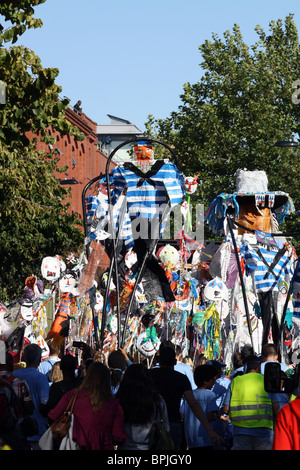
[52, 267]
[26, 311]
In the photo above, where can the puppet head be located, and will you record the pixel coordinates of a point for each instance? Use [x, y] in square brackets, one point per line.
[143, 151]
[26, 310]
[190, 184]
[148, 343]
[52, 268]
[252, 205]
[68, 283]
[169, 256]
[215, 290]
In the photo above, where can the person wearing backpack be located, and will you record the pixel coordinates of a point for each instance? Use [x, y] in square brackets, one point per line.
[15, 404]
[46, 365]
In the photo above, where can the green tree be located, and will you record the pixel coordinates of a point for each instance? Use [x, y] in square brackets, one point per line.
[34, 217]
[244, 102]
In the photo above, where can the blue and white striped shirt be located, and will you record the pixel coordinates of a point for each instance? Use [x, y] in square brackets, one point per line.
[147, 197]
[147, 193]
[264, 279]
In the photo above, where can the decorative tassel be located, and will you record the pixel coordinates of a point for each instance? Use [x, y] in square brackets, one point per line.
[211, 332]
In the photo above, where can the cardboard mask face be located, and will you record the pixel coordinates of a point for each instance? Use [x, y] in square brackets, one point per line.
[147, 345]
[143, 152]
[52, 268]
[68, 283]
[26, 310]
[215, 290]
[190, 184]
[252, 218]
[97, 303]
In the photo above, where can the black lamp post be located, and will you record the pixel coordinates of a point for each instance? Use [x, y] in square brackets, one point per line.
[286, 143]
[68, 181]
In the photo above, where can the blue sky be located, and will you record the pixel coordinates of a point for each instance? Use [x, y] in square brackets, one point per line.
[131, 58]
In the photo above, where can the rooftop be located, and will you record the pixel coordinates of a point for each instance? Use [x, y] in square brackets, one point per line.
[118, 126]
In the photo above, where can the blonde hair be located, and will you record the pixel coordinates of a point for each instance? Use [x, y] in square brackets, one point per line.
[188, 360]
[56, 372]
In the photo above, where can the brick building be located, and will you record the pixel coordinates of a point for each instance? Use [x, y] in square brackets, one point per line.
[84, 159]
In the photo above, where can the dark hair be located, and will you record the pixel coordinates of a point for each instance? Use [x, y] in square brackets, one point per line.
[68, 363]
[137, 394]
[204, 373]
[117, 364]
[252, 362]
[167, 343]
[237, 360]
[9, 362]
[269, 349]
[32, 354]
[246, 351]
[167, 357]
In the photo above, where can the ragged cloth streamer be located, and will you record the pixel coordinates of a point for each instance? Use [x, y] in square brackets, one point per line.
[89, 271]
[211, 332]
[125, 294]
[191, 185]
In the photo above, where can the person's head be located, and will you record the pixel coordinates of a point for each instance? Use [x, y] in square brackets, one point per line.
[56, 373]
[246, 351]
[252, 364]
[98, 356]
[9, 362]
[54, 348]
[97, 383]
[269, 352]
[178, 352]
[32, 355]
[219, 366]
[68, 365]
[188, 360]
[117, 364]
[137, 394]
[200, 360]
[205, 376]
[237, 360]
[167, 343]
[167, 357]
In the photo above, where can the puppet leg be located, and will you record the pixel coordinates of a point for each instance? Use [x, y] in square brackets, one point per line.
[268, 303]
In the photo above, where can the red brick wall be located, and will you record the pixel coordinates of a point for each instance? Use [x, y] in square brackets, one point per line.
[89, 162]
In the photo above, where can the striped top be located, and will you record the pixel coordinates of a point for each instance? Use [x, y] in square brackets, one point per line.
[98, 216]
[148, 192]
[259, 261]
[148, 196]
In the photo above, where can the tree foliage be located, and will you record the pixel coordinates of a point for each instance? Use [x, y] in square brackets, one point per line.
[240, 107]
[34, 218]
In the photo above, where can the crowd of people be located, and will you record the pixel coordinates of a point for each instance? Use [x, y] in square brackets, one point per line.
[118, 398]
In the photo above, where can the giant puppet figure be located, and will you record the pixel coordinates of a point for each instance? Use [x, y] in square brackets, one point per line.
[250, 218]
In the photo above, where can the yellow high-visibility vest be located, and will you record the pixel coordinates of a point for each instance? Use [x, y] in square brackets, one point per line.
[250, 404]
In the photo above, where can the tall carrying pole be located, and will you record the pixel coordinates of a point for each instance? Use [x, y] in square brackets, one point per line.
[241, 279]
[94, 180]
